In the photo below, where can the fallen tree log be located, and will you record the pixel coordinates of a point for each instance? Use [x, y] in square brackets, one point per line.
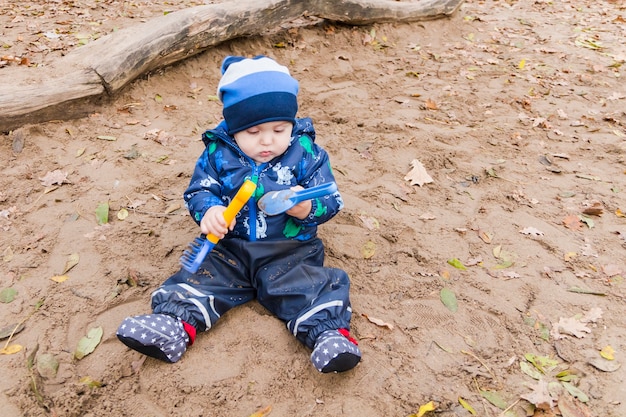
[81, 80]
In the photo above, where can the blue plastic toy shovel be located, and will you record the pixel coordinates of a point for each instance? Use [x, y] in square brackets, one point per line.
[198, 249]
[276, 202]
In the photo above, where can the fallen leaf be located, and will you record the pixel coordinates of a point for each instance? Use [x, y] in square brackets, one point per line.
[467, 406]
[87, 344]
[10, 350]
[370, 222]
[122, 214]
[604, 365]
[378, 322]
[505, 258]
[584, 291]
[262, 412]
[531, 231]
[540, 396]
[47, 365]
[573, 222]
[448, 298]
[368, 250]
[60, 278]
[587, 220]
[102, 213]
[569, 326]
[457, 264]
[474, 261]
[430, 105]
[595, 209]
[485, 236]
[588, 177]
[510, 274]
[529, 370]
[566, 375]
[87, 380]
[418, 174]
[569, 256]
[54, 177]
[172, 208]
[425, 408]
[575, 392]
[71, 262]
[494, 398]
[11, 329]
[7, 295]
[544, 364]
[608, 353]
[570, 407]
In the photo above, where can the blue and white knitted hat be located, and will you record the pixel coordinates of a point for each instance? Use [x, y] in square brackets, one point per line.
[256, 90]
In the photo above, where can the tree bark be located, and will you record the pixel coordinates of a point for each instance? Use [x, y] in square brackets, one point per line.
[78, 82]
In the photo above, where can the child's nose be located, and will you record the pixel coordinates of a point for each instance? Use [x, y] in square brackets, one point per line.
[266, 138]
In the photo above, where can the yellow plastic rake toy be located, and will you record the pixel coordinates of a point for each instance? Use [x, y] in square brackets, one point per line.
[198, 249]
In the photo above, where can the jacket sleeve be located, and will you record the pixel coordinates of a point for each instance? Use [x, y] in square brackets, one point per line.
[204, 189]
[314, 170]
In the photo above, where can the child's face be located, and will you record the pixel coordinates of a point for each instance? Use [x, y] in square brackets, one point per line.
[266, 141]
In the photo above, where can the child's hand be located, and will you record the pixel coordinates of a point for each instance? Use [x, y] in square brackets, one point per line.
[301, 210]
[213, 222]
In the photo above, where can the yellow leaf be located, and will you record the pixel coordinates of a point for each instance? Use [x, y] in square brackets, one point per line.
[368, 249]
[122, 214]
[466, 405]
[569, 256]
[262, 412]
[60, 278]
[87, 380]
[619, 213]
[10, 350]
[522, 64]
[426, 408]
[607, 353]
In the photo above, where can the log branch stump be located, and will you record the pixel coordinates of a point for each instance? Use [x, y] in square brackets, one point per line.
[80, 81]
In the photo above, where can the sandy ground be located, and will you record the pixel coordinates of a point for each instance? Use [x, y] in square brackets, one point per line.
[514, 109]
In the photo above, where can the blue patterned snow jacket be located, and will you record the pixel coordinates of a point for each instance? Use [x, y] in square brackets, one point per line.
[223, 167]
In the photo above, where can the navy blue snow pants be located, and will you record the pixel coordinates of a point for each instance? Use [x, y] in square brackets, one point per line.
[287, 277]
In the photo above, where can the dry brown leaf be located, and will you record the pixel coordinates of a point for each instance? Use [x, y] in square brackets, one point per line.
[418, 175]
[485, 236]
[378, 322]
[595, 209]
[540, 396]
[573, 222]
[54, 177]
[569, 326]
[430, 104]
[570, 407]
[369, 222]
